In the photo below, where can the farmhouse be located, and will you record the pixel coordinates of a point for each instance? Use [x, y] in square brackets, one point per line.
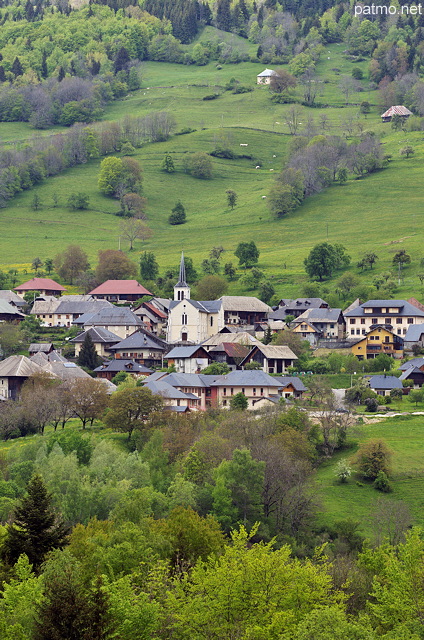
[102, 339]
[273, 359]
[399, 110]
[110, 369]
[190, 359]
[14, 371]
[414, 375]
[119, 320]
[143, 347]
[8, 313]
[63, 312]
[319, 323]
[265, 76]
[45, 286]
[295, 308]
[119, 291]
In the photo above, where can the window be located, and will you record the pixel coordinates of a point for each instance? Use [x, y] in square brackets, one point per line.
[399, 331]
[404, 331]
[352, 321]
[224, 391]
[374, 320]
[224, 403]
[410, 321]
[387, 321]
[211, 321]
[232, 391]
[242, 390]
[363, 332]
[362, 320]
[398, 320]
[184, 318]
[262, 391]
[358, 332]
[254, 391]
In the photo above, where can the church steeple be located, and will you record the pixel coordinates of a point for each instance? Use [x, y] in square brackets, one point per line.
[181, 289]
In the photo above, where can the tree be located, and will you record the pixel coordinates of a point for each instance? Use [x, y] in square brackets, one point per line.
[292, 119]
[346, 283]
[231, 198]
[36, 529]
[281, 81]
[133, 229]
[129, 409]
[216, 369]
[78, 201]
[87, 356]
[239, 402]
[321, 262]
[229, 271]
[11, 338]
[347, 85]
[247, 253]
[89, 399]
[372, 457]
[416, 396]
[266, 291]
[48, 265]
[343, 470]
[178, 215]
[36, 264]
[149, 267]
[17, 68]
[36, 202]
[407, 151]
[199, 165]
[114, 265]
[401, 258]
[119, 176]
[133, 206]
[211, 287]
[122, 60]
[71, 263]
[168, 164]
[281, 199]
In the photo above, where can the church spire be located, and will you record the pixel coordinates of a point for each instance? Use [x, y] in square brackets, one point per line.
[181, 289]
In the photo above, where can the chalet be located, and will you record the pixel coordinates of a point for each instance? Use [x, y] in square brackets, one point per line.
[382, 385]
[415, 375]
[395, 315]
[102, 339]
[40, 347]
[320, 323]
[190, 359]
[9, 313]
[143, 347]
[110, 369]
[415, 362]
[414, 335]
[230, 353]
[12, 298]
[265, 76]
[45, 286]
[119, 320]
[380, 339]
[14, 371]
[237, 337]
[63, 312]
[120, 291]
[399, 110]
[295, 308]
[152, 317]
[272, 358]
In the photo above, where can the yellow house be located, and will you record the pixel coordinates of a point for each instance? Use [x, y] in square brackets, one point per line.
[378, 340]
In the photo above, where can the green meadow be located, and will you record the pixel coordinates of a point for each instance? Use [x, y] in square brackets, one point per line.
[356, 499]
[380, 212]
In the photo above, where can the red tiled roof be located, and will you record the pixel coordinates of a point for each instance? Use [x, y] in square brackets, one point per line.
[154, 310]
[37, 284]
[399, 110]
[130, 287]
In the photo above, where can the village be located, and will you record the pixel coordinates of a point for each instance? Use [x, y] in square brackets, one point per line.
[198, 355]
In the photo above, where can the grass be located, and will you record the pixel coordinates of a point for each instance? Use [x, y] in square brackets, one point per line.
[404, 435]
[377, 213]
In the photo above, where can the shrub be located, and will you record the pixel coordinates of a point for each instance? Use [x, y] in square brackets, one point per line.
[371, 404]
[343, 470]
[373, 456]
[211, 96]
[381, 483]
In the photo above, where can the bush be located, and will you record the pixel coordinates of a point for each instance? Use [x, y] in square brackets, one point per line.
[381, 483]
[371, 404]
[373, 457]
[343, 471]
[211, 96]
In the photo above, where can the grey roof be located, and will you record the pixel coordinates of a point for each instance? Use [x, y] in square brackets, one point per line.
[320, 315]
[81, 304]
[188, 379]
[44, 347]
[414, 333]
[406, 309]
[408, 372]
[98, 334]
[18, 366]
[6, 308]
[129, 366]
[12, 297]
[65, 370]
[415, 362]
[182, 276]
[254, 378]
[42, 306]
[244, 303]
[294, 380]
[163, 388]
[266, 73]
[385, 382]
[112, 316]
[140, 339]
[184, 352]
[276, 351]
[205, 306]
[242, 337]
[55, 356]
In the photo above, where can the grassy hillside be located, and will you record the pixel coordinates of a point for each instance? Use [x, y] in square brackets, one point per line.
[378, 213]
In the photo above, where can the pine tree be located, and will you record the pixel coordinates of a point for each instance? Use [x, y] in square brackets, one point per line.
[87, 356]
[61, 74]
[168, 164]
[2, 74]
[17, 68]
[36, 529]
[122, 59]
[44, 70]
[223, 15]
[178, 215]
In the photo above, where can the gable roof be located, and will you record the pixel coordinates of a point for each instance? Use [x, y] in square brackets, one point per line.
[414, 333]
[37, 347]
[151, 307]
[164, 389]
[415, 362]
[6, 308]
[266, 73]
[275, 351]
[204, 306]
[238, 378]
[232, 349]
[244, 303]
[37, 284]
[405, 309]
[385, 382]
[294, 381]
[18, 366]
[185, 352]
[398, 110]
[409, 371]
[113, 316]
[121, 287]
[65, 370]
[139, 339]
[242, 337]
[320, 315]
[129, 366]
[12, 297]
[80, 304]
[98, 335]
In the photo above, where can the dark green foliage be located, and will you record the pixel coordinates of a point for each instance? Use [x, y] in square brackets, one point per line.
[373, 457]
[381, 483]
[168, 164]
[247, 253]
[325, 258]
[36, 529]
[178, 215]
[78, 201]
[217, 369]
[87, 356]
[239, 402]
[17, 68]
[149, 268]
[231, 198]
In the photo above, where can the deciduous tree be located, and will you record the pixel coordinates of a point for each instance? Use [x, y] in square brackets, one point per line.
[129, 409]
[114, 265]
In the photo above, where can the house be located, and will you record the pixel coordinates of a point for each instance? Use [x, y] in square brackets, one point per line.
[102, 339]
[63, 312]
[382, 385]
[295, 308]
[399, 110]
[415, 362]
[243, 311]
[110, 369]
[379, 340]
[119, 320]
[119, 291]
[291, 387]
[414, 335]
[414, 374]
[395, 315]
[143, 347]
[12, 298]
[45, 286]
[14, 371]
[272, 358]
[9, 313]
[195, 385]
[230, 353]
[174, 399]
[41, 347]
[152, 317]
[65, 371]
[318, 323]
[238, 337]
[253, 384]
[190, 359]
[41, 357]
[265, 76]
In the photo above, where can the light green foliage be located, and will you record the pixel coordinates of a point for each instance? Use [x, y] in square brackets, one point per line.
[19, 600]
[239, 402]
[247, 253]
[217, 369]
[343, 471]
[237, 491]
[331, 623]
[130, 408]
[257, 590]
[181, 492]
[110, 175]
[199, 165]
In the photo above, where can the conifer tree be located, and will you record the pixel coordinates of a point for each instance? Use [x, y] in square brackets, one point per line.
[87, 356]
[36, 528]
[17, 68]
